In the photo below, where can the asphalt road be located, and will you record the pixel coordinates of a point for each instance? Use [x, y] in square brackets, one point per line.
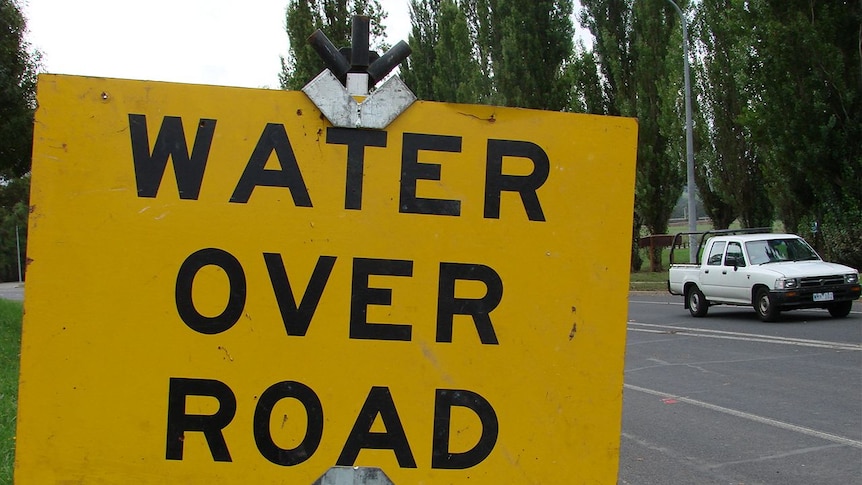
[728, 399]
[12, 291]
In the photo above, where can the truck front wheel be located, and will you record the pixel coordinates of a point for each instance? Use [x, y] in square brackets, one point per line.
[840, 309]
[765, 307]
[697, 303]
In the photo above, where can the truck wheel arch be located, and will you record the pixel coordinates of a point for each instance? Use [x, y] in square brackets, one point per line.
[767, 310]
[685, 289]
[701, 304]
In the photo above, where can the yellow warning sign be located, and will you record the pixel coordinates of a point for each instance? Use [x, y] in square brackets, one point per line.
[223, 286]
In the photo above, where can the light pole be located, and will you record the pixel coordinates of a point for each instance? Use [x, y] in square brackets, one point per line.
[689, 140]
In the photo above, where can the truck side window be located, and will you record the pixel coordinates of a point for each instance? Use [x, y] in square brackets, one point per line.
[715, 253]
[734, 255]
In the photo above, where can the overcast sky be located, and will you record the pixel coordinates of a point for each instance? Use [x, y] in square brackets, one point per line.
[220, 42]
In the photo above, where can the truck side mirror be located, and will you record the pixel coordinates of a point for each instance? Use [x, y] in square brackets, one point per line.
[734, 260]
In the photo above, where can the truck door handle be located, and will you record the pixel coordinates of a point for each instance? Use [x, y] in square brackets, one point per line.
[724, 272]
[706, 271]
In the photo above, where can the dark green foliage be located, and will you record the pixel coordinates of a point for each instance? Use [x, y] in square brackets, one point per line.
[719, 211]
[715, 203]
[587, 95]
[535, 44]
[14, 212]
[658, 61]
[807, 121]
[333, 17]
[18, 68]
[841, 232]
[442, 66]
[781, 91]
[457, 74]
[504, 52]
[609, 21]
[302, 61]
[417, 71]
[636, 259]
[17, 92]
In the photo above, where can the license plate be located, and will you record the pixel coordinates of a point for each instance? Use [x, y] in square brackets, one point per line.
[828, 296]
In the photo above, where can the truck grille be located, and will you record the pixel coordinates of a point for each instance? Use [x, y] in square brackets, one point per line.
[816, 281]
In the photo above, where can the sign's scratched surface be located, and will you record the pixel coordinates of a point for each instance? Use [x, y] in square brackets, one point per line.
[223, 288]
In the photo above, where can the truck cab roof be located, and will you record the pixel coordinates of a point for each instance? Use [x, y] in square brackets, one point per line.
[755, 237]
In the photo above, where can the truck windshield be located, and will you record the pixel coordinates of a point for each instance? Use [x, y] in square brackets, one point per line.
[777, 250]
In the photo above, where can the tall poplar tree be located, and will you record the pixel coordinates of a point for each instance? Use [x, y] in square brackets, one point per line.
[535, 46]
[715, 203]
[333, 17]
[515, 53]
[610, 23]
[456, 71]
[807, 117]
[443, 66]
[733, 175]
[638, 47]
[417, 71]
[659, 105]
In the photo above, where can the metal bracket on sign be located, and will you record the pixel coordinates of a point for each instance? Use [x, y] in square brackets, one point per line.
[341, 91]
[358, 475]
[377, 110]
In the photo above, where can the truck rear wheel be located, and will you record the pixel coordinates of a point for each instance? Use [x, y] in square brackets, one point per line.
[697, 303]
[840, 309]
[765, 307]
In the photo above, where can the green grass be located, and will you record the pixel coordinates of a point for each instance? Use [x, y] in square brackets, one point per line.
[10, 351]
[648, 281]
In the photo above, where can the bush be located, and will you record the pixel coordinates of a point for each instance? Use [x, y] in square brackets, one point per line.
[14, 212]
[843, 243]
[838, 237]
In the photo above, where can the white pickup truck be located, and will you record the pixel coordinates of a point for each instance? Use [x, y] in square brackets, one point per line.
[771, 272]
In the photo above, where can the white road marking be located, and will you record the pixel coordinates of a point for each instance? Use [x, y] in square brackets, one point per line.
[675, 303]
[752, 417]
[748, 337]
[681, 303]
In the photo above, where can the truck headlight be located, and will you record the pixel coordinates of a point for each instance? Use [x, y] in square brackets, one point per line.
[851, 278]
[786, 283]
